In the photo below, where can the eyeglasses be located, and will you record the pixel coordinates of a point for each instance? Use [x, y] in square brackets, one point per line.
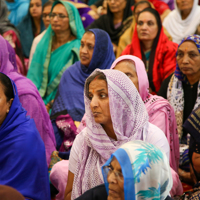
[109, 170]
[59, 16]
[44, 15]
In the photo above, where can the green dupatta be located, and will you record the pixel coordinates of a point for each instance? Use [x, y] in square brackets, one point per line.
[47, 67]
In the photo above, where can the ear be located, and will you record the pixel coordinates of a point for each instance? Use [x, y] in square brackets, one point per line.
[9, 104]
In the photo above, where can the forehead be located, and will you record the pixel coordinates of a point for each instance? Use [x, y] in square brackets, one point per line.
[146, 16]
[59, 8]
[189, 46]
[115, 164]
[36, 1]
[97, 84]
[89, 37]
[141, 7]
[125, 66]
[47, 8]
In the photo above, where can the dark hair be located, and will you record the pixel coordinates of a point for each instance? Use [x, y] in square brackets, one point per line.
[48, 3]
[97, 75]
[156, 15]
[141, 2]
[7, 86]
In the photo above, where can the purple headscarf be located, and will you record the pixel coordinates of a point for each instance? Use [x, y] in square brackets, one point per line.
[128, 115]
[29, 98]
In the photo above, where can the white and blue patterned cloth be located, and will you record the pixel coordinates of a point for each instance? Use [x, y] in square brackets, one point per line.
[145, 169]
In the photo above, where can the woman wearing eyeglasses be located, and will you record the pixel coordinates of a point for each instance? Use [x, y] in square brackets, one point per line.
[57, 50]
[137, 170]
[115, 114]
[31, 26]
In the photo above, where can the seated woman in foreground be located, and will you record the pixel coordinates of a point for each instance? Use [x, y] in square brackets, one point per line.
[124, 179]
[96, 51]
[22, 160]
[115, 114]
[151, 45]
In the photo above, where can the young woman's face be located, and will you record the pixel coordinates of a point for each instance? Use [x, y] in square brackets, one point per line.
[4, 105]
[36, 8]
[87, 48]
[59, 19]
[184, 5]
[147, 27]
[98, 94]
[188, 59]
[116, 6]
[140, 8]
[128, 68]
[45, 15]
[116, 181]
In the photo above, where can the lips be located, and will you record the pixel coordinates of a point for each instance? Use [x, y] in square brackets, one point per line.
[95, 114]
[84, 58]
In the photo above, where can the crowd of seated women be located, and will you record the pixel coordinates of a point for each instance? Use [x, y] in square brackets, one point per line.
[99, 99]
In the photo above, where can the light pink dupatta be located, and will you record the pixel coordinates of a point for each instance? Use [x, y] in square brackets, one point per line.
[159, 110]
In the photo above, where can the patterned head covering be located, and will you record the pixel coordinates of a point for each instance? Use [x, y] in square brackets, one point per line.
[128, 115]
[146, 171]
[196, 40]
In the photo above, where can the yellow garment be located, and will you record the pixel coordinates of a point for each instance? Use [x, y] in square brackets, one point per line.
[126, 38]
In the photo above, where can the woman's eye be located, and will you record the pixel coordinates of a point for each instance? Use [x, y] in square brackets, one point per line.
[129, 75]
[140, 23]
[90, 47]
[82, 45]
[102, 95]
[150, 23]
[180, 54]
[192, 55]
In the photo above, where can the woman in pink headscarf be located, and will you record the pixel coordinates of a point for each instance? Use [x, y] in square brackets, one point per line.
[159, 110]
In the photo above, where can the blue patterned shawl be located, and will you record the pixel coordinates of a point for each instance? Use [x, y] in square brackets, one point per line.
[145, 169]
[70, 98]
[23, 160]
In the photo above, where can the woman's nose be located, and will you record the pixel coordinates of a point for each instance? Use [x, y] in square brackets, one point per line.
[94, 102]
[185, 58]
[111, 178]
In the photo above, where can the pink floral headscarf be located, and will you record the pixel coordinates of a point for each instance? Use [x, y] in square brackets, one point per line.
[128, 115]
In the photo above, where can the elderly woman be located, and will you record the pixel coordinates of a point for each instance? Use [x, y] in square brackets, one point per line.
[182, 88]
[57, 50]
[115, 114]
[150, 44]
[184, 20]
[114, 22]
[31, 26]
[124, 178]
[159, 110]
[95, 52]
[22, 160]
[36, 109]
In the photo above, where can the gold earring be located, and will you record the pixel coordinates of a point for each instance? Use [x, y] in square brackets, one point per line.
[8, 111]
